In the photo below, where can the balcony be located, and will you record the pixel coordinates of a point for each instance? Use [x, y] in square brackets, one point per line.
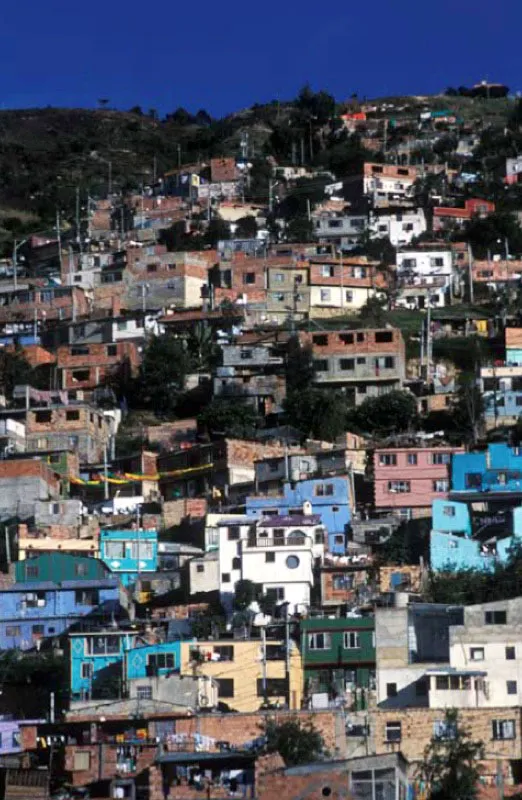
[297, 540]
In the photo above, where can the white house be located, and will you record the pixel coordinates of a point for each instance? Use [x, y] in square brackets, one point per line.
[399, 225]
[278, 554]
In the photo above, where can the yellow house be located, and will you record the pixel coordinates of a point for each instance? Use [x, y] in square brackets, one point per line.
[247, 671]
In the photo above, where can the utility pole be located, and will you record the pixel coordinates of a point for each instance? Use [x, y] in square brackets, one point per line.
[287, 654]
[263, 659]
[428, 342]
[78, 228]
[470, 273]
[155, 168]
[105, 474]
[341, 276]
[59, 236]
[15, 264]
[302, 151]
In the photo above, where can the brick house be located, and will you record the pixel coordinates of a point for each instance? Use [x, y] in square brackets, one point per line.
[365, 363]
[87, 366]
[78, 426]
[50, 303]
[447, 218]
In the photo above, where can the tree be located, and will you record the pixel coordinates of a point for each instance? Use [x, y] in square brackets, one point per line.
[136, 110]
[373, 314]
[203, 117]
[469, 407]
[201, 346]
[451, 761]
[229, 417]
[246, 228]
[217, 230]
[394, 412]
[492, 233]
[162, 376]
[320, 413]
[299, 366]
[180, 117]
[296, 742]
[14, 370]
[244, 594]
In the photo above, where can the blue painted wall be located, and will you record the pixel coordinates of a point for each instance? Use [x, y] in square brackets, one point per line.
[503, 474]
[334, 508]
[502, 404]
[137, 658]
[451, 517]
[107, 653]
[464, 463]
[10, 735]
[119, 551]
[513, 355]
[51, 611]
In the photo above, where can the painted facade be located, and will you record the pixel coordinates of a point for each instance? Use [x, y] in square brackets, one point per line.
[60, 567]
[129, 553]
[95, 657]
[330, 499]
[33, 611]
[499, 469]
[339, 656]
[237, 667]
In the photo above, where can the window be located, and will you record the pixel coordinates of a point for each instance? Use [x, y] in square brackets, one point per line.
[351, 640]
[421, 687]
[339, 538]
[476, 654]
[200, 568]
[225, 577]
[43, 416]
[320, 339]
[31, 571]
[448, 511]
[325, 295]
[270, 558]
[115, 549]
[233, 534]
[161, 661]
[347, 363]
[399, 487]
[245, 354]
[236, 563]
[383, 336]
[387, 460]
[348, 296]
[412, 459]
[12, 630]
[360, 337]
[510, 654]
[112, 349]
[473, 480]
[225, 652]
[71, 416]
[444, 730]
[86, 670]
[103, 645]
[80, 375]
[440, 485]
[292, 562]
[319, 641]
[122, 325]
[80, 349]
[511, 687]
[38, 630]
[393, 731]
[342, 582]
[272, 687]
[81, 570]
[495, 617]
[436, 262]
[142, 550]
[391, 690]
[249, 278]
[86, 597]
[440, 458]
[279, 277]
[144, 692]
[503, 729]
[152, 267]
[275, 594]
[225, 687]
[81, 761]
[324, 490]
[389, 362]
[321, 364]
[346, 338]
[442, 682]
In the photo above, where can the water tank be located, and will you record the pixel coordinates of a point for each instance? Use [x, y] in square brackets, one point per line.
[307, 508]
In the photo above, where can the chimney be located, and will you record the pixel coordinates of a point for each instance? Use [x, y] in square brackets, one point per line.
[115, 306]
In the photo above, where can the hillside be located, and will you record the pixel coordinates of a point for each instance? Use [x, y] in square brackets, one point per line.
[46, 153]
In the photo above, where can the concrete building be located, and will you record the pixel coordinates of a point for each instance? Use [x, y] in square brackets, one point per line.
[342, 285]
[385, 183]
[428, 265]
[365, 363]
[343, 230]
[399, 225]
[23, 483]
[129, 554]
[238, 667]
[407, 480]
[253, 374]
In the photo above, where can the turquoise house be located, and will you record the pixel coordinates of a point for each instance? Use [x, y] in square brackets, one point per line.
[102, 663]
[59, 567]
[130, 553]
[453, 549]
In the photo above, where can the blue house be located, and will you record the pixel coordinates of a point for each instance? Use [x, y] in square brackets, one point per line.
[36, 610]
[111, 658]
[453, 549]
[329, 497]
[499, 469]
[130, 553]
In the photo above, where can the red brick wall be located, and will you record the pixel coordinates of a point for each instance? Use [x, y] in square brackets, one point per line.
[21, 469]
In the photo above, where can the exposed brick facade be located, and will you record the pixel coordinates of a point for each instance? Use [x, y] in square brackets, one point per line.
[97, 361]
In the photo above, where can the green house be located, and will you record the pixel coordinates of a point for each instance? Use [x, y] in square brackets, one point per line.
[59, 567]
[339, 657]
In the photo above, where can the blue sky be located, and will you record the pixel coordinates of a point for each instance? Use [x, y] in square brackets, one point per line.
[225, 56]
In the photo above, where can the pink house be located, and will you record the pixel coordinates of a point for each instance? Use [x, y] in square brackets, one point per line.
[408, 479]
